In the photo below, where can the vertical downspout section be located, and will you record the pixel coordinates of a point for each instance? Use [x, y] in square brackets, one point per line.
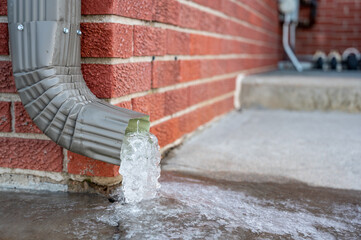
[45, 51]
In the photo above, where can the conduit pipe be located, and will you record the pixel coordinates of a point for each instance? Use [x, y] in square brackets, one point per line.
[45, 50]
[290, 10]
[286, 45]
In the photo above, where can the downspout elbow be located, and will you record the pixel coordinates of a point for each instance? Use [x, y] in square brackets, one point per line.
[45, 50]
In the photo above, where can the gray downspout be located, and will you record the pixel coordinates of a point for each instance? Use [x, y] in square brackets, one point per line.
[45, 51]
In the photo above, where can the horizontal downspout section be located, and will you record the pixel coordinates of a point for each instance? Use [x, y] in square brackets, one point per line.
[45, 50]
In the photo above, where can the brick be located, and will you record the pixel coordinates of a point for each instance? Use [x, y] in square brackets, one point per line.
[99, 79]
[268, 10]
[215, 4]
[131, 78]
[7, 83]
[127, 8]
[223, 87]
[189, 122]
[202, 92]
[4, 39]
[250, 16]
[196, 19]
[82, 165]
[171, 130]
[176, 100]
[337, 27]
[206, 113]
[224, 106]
[205, 45]
[149, 41]
[3, 7]
[215, 44]
[152, 105]
[213, 67]
[198, 93]
[189, 17]
[118, 39]
[190, 70]
[198, 44]
[32, 154]
[219, 88]
[5, 117]
[166, 11]
[167, 132]
[136, 9]
[23, 123]
[234, 10]
[209, 112]
[165, 73]
[178, 43]
[89, 7]
[126, 104]
[109, 81]
[212, 23]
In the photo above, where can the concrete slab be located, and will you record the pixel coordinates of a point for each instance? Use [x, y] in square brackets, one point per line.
[309, 90]
[317, 148]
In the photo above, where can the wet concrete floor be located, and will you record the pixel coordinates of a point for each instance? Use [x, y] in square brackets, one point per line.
[187, 208]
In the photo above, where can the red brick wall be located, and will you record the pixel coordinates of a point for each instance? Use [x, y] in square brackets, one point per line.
[175, 60]
[338, 26]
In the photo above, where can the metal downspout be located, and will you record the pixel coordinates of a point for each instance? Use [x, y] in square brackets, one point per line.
[45, 51]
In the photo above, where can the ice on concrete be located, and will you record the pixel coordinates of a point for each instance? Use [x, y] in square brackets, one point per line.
[188, 209]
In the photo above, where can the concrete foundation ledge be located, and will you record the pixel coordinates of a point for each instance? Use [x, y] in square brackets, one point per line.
[32, 180]
[309, 91]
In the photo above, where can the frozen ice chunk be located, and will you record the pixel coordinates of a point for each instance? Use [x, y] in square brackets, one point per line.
[140, 158]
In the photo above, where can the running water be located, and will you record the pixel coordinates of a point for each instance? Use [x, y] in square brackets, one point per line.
[140, 158]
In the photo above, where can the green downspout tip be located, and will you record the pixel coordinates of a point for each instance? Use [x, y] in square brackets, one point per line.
[138, 125]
